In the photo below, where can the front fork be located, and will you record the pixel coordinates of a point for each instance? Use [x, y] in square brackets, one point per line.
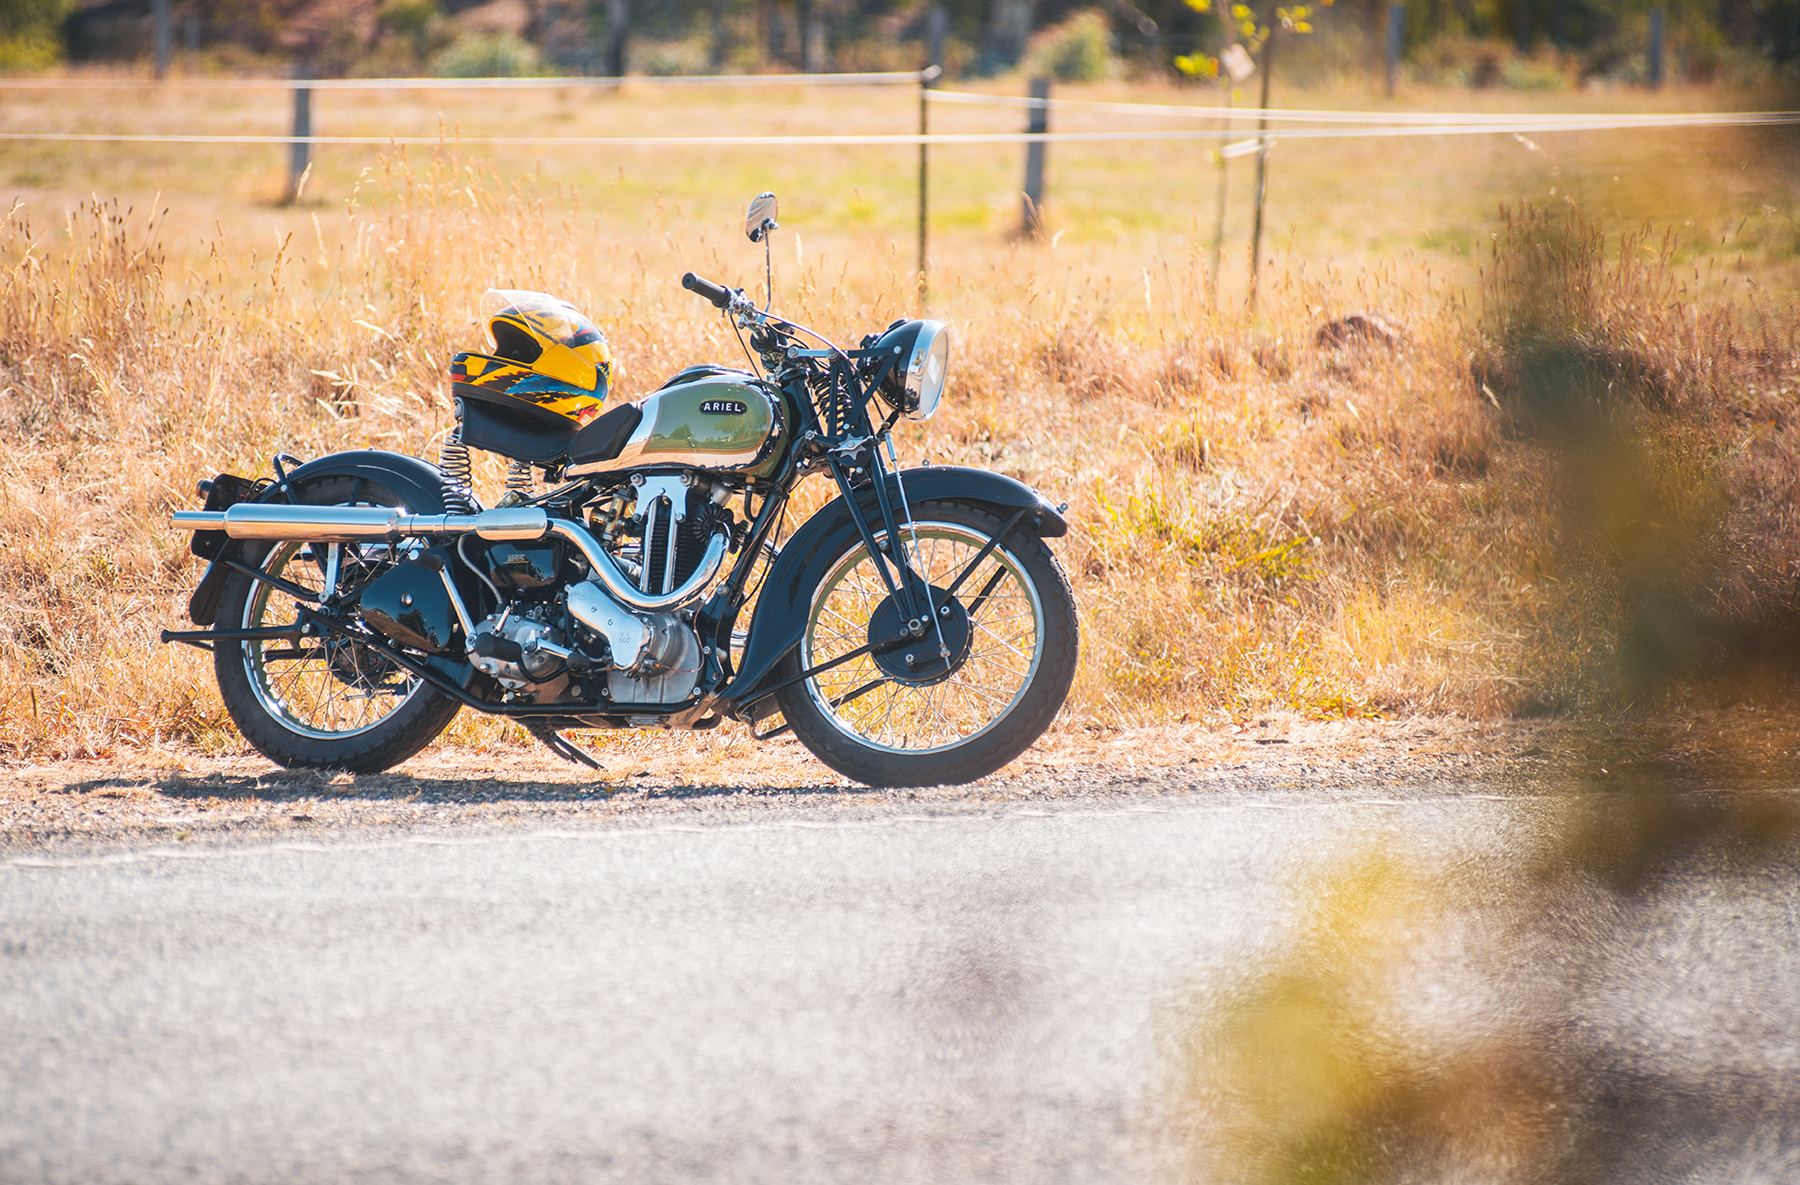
[908, 586]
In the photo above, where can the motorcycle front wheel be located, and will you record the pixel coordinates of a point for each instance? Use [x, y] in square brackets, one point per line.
[960, 700]
[328, 702]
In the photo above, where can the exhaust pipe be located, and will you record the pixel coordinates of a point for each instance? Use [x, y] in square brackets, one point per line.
[354, 524]
[380, 524]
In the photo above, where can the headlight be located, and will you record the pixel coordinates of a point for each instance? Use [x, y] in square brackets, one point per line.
[920, 351]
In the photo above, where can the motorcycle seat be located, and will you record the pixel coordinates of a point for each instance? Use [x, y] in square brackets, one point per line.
[603, 438]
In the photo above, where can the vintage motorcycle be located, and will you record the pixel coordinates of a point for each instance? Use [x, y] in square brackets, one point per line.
[917, 630]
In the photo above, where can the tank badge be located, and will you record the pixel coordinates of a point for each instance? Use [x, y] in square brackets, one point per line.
[723, 407]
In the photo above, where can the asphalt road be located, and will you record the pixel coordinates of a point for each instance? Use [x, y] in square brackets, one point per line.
[1032, 994]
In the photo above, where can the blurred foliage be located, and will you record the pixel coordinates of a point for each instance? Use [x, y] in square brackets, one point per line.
[1423, 1021]
[1080, 49]
[1307, 1075]
[1508, 43]
[31, 33]
[1426, 1016]
[488, 55]
[1251, 30]
[1602, 360]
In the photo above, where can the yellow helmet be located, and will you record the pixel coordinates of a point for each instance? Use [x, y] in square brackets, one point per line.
[547, 354]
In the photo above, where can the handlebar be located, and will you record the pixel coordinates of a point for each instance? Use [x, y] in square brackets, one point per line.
[719, 295]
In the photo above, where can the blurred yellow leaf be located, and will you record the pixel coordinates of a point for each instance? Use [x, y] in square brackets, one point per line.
[1198, 65]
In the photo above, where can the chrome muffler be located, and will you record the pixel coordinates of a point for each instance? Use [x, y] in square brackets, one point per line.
[381, 524]
[355, 524]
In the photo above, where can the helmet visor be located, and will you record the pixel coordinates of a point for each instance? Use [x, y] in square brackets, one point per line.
[550, 335]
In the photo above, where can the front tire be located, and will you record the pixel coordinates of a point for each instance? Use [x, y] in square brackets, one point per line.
[907, 716]
[329, 702]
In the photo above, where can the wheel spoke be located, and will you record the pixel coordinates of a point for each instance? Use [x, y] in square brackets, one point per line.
[998, 665]
[334, 689]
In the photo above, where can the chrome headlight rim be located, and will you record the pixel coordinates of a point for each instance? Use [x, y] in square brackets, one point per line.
[927, 370]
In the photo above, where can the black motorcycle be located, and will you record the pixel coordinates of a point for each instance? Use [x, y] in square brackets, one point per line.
[916, 630]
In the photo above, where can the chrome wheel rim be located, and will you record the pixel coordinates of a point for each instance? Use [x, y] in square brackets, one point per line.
[323, 688]
[897, 717]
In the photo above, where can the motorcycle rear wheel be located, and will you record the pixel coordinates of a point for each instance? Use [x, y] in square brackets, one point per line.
[1014, 642]
[328, 703]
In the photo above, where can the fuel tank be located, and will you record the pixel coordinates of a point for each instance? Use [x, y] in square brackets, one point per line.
[710, 419]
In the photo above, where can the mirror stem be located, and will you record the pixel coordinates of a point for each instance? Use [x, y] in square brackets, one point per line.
[768, 274]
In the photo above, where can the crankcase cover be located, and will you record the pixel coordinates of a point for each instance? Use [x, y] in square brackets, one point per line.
[714, 423]
[409, 605]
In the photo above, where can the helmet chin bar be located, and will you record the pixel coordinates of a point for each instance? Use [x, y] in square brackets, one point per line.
[375, 524]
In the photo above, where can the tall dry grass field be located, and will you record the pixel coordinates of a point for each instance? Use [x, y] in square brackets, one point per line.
[1566, 472]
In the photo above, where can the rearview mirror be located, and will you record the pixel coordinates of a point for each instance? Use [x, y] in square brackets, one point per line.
[760, 219]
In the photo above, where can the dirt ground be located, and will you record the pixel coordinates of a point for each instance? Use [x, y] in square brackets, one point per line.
[171, 796]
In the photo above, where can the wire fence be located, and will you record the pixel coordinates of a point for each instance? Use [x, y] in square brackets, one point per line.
[1293, 123]
[595, 82]
[1274, 124]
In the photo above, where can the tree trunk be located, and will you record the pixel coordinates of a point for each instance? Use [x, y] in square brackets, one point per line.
[618, 30]
[1009, 25]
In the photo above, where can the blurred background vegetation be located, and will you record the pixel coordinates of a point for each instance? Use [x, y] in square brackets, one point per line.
[1520, 44]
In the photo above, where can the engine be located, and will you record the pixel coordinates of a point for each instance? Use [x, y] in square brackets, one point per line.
[542, 651]
[659, 527]
[524, 651]
[556, 632]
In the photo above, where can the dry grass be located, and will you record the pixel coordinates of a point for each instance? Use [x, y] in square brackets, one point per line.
[1372, 527]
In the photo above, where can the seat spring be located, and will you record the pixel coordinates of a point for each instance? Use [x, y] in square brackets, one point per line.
[459, 482]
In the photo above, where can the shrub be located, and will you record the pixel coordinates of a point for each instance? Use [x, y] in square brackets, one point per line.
[671, 59]
[1078, 50]
[495, 55]
[31, 33]
[1534, 74]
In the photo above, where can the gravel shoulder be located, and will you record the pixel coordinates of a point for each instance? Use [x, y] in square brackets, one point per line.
[176, 798]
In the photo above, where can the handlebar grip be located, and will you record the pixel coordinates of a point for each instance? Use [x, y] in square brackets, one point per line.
[720, 296]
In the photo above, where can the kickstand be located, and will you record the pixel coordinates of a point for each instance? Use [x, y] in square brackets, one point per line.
[561, 746]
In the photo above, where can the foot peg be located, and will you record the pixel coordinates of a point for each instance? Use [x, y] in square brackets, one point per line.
[561, 746]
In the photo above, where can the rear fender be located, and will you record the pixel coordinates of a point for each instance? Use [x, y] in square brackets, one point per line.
[787, 591]
[419, 486]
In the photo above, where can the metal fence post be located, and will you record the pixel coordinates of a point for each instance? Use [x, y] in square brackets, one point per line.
[1037, 124]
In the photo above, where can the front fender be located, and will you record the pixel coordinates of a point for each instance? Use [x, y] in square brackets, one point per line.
[786, 597]
[419, 486]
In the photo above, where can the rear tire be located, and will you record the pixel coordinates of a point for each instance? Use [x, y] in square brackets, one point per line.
[1013, 657]
[327, 703]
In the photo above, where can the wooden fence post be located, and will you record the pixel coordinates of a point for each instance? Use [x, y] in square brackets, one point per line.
[298, 164]
[1037, 124]
[1262, 167]
[1218, 264]
[927, 76]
